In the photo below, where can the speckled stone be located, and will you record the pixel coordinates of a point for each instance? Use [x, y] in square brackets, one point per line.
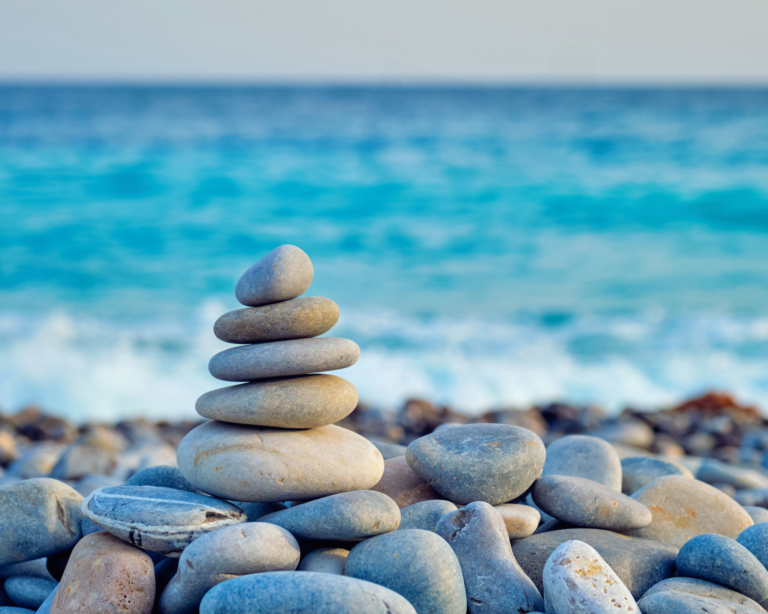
[520, 520]
[162, 520]
[246, 463]
[249, 548]
[293, 402]
[577, 580]
[106, 576]
[584, 503]
[346, 516]
[493, 580]
[755, 539]
[583, 456]
[640, 563]
[29, 592]
[683, 508]
[692, 596]
[283, 274]
[299, 318]
[494, 463]
[424, 515]
[325, 560]
[162, 476]
[637, 471]
[283, 358]
[416, 564]
[38, 517]
[403, 484]
[758, 514]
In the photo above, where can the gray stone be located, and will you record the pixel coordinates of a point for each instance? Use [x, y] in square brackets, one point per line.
[293, 402]
[753, 496]
[424, 515]
[692, 596]
[249, 548]
[388, 450]
[418, 565]
[89, 483]
[246, 463]
[639, 563]
[758, 514]
[282, 358]
[325, 560]
[520, 520]
[637, 471]
[143, 455]
[45, 608]
[162, 520]
[726, 562]
[162, 476]
[494, 463]
[755, 539]
[283, 274]
[38, 517]
[584, 503]
[36, 568]
[403, 484]
[299, 318]
[346, 516]
[81, 459]
[28, 592]
[577, 580]
[87, 526]
[302, 592]
[582, 456]
[36, 461]
[494, 581]
[628, 432]
[713, 471]
[254, 511]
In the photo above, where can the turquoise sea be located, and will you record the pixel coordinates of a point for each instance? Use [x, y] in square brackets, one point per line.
[487, 246]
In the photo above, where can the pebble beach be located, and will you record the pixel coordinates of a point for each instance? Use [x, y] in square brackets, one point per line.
[291, 495]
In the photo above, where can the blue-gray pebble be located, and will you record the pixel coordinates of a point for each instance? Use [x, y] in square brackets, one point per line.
[637, 471]
[28, 592]
[163, 476]
[418, 565]
[758, 514]
[693, 596]
[283, 274]
[755, 539]
[424, 514]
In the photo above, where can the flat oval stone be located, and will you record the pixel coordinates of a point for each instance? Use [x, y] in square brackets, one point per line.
[520, 520]
[493, 579]
[292, 402]
[283, 274]
[494, 463]
[583, 456]
[713, 471]
[162, 476]
[637, 471]
[584, 503]
[325, 560]
[683, 508]
[403, 484]
[246, 463]
[38, 517]
[302, 592]
[253, 547]
[282, 358]
[418, 565]
[639, 563]
[578, 581]
[29, 592]
[726, 562]
[347, 516]
[692, 596]
[424, 515]
[755, 539]
[758, 514]
[162, 520]
[299, 318]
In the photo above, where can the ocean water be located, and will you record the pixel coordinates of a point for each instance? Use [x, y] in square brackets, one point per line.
[487, 246]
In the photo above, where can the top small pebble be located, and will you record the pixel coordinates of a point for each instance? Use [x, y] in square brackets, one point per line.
[283, 274]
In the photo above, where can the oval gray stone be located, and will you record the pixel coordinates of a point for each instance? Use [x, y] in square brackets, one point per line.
[283, 274]
[162, 520]
[247, 463]
[302, 592]
[583, 456]
[347, 516]
[38, 517]
[416, 564]
[299, 318]
[283, 358]
[755, 539]
[296, 402]
[584, 503]
[252, 547]
[692, 596]
[325, 560]
[29, 592]
[637, 471]
[494, 463]
[424, 515]
[163, 476]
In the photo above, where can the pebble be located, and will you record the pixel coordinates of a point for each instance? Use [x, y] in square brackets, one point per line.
[29, 592]
[45, 607]
[755, 539]
[403, 484]
[493, 580]
[419, 565]
[249, 548]
[36, 568]
[726, 562]
[299, 318]
[38, 517]
[683, 508]
[282, 358]
[80, 460]
[692, 596]
[583, 456]
[640, 563]
[520, 520]
[302, 592]
[283, 274]
[162, 476]
[325, 560]
[713, 471]
[8, 449]
[347, 516]
[495, 463]
[584, 503]
[627, 432]
[36, 461]
[754, 497]
[577, 580]
[424, 515]
[106, 576]
[637, 471]
[162, 520]
[293, 402]
[758, 514]
[246, 463]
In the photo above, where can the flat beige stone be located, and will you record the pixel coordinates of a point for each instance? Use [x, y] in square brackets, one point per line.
[403, 484]
[520, 520]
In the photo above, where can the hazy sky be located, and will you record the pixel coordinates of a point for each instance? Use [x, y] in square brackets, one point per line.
[692, 41]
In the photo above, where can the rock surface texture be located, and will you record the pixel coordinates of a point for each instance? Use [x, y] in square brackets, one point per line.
[283, 274]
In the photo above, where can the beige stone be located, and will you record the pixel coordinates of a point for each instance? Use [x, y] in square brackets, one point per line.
[403, 484]
[520, 520]
[8, 449]
[105, 575]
